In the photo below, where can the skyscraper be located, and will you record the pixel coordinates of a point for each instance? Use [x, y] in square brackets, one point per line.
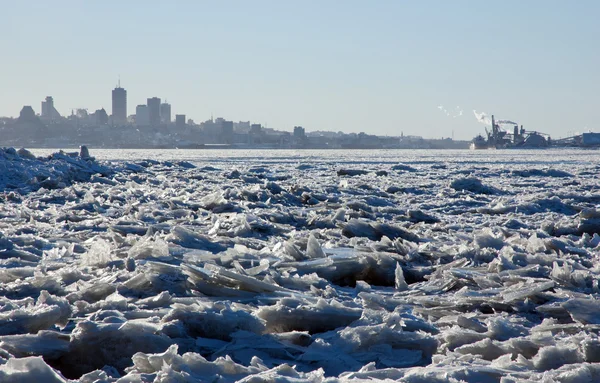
[119, 105]
[141, 115]
[225, 130]
[180, 120]
[165, 113]
[48, 110]
[154, 111]
[46, 107]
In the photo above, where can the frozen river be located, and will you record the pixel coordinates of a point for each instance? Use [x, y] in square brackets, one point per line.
[288, 265]
[549, 157]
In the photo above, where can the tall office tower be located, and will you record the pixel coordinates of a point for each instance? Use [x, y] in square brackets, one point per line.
[180, 120]
[119, 105]
[142, 117]
[225, 130]
[165, 113]
[154, 111]
[48, 111]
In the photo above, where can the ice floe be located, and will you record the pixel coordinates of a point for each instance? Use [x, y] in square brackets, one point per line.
[282, 266]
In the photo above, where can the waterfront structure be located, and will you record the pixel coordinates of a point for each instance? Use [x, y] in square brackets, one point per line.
[153, 111]
[119, 105]
[498, 138]
[165, 113]
[142, 115]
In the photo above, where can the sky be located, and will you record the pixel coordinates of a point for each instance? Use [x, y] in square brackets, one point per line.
[379, 67]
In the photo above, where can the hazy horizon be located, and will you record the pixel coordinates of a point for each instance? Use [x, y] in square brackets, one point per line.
[384, 68]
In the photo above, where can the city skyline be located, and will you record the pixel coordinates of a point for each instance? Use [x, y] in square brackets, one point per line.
[383, 68]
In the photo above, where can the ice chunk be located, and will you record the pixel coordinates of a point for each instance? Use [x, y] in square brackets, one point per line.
[24, 153]
[46, 298]
[376, 231]
[403, 167]
[94, 345]
[149, 246]
[488, 239]
[504, 329]
[473, 185]
[586, 311]
[552, 357]
[522, 291]
[49, 344]
[313, 249]
[84, 152]
[291, 315]
[187, 238]
[358, 228]
[216, 322]
[215, 279]
[30, 369]
[30, 319]
[216, 202]
[292, 249]
[420, 216]
[487, 348]
[351, 172]
[99, 254]
[400, 282]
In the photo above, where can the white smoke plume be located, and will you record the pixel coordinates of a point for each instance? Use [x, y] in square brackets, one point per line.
[482, 117]
[456, 112]
[487, 120]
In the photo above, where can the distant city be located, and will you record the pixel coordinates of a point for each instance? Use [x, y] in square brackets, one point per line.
[152, 126]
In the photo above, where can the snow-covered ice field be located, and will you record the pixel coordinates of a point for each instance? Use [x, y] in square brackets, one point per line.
[289, 266]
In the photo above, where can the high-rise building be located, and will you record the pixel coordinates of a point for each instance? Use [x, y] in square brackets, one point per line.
[142, 115]
[180, 120]
[299, 132]
[46, 107]
[154, 111]
[119, 105]
[165, 113]
[299, 137]
[225, 130]
[48, 110]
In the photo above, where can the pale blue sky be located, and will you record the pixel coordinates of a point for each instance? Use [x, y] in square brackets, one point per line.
[382, 67]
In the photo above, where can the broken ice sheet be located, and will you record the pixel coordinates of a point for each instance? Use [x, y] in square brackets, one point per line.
[451, 266]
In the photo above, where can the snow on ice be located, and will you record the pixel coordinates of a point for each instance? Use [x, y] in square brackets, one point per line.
[447, 266]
